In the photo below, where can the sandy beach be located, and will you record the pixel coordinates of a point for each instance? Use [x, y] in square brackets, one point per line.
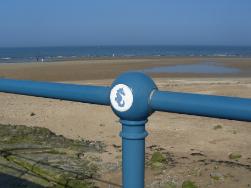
[198, 146]
[109, 68]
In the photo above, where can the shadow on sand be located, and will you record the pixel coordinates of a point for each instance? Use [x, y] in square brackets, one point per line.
[8, 181]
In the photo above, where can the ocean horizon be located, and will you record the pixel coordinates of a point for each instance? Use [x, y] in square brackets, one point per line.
[50, 54]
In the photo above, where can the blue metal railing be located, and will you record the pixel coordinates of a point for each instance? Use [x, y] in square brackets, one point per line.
[233, 108]
[133, 97]
[70, 92]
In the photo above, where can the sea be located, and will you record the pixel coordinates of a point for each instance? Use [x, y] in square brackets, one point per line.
[52, 54]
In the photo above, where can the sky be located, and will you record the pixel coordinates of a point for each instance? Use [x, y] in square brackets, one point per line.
[28, 23]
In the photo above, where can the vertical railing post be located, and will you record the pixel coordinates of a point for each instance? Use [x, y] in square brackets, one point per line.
[130, 96]
[133, 153]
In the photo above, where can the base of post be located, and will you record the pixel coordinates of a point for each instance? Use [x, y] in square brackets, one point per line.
[133, 153]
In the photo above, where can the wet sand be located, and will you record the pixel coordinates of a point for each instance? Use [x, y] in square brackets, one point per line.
[196, 146]
[97, 69]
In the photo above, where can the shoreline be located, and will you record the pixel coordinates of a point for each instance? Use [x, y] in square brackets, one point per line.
[102, 68]
[62, 60]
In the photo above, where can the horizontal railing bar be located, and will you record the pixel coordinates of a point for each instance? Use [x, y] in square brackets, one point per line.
[69, 92]
[134, 97]
[232, 108]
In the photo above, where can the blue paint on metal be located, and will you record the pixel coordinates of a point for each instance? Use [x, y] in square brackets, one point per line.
[70, 92]
[133, 127]
[119, 98]
[146, 99]
[133, 153]
[141, 86]
[232, 108]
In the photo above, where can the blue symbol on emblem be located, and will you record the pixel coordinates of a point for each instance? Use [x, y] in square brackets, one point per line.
[119, 97]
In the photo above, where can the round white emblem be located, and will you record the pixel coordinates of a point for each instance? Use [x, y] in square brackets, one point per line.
[121, 97]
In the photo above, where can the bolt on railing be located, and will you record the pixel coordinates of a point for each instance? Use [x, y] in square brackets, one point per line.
[133, 97]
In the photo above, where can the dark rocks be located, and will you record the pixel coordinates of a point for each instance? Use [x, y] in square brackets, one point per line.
[32, 114]
[216, 176]
[47, 159]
